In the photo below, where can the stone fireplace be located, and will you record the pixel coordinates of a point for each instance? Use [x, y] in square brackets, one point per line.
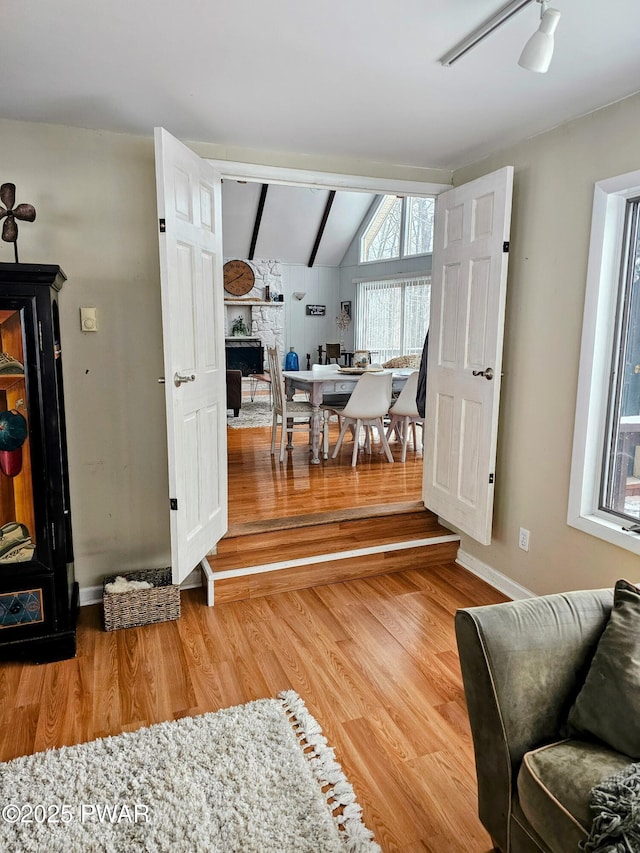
[265, 319]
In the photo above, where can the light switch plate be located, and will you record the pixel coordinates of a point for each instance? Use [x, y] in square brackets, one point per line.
[88, 320]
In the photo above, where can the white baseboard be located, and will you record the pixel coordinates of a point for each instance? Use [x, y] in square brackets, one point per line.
[93, 594]
[90, 595]
[497, 580]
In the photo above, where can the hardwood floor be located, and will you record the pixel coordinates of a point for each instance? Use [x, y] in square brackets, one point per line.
[374, 659]
[260, 487]
[274, 543]
[279, 560]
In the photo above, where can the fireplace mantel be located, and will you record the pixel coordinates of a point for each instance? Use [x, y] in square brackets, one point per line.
[249, 302]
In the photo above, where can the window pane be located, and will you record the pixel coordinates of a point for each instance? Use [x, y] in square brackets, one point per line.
[392, 317]
[382, 313]
[417, 301]
[621, 480]
[419, 226]
[381, 240]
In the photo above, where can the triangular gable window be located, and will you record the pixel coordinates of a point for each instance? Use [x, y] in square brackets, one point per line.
[381, 239]
[398, 227]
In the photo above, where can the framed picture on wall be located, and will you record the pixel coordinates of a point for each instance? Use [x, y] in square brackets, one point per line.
[345, 307]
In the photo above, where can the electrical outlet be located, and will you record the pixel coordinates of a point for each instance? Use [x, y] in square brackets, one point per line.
[523, 539]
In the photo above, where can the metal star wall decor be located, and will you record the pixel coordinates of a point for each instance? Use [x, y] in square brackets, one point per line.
[25, 212]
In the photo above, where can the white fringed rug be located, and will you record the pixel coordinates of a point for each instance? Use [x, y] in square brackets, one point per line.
[248, 779]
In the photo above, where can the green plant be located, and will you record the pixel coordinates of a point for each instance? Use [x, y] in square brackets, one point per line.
[239, 327]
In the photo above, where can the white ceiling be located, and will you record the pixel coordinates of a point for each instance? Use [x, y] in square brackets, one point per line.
[354, 80]
[290, 221]
[359, 79]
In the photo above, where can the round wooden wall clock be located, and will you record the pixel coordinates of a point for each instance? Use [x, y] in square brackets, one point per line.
[239, 277]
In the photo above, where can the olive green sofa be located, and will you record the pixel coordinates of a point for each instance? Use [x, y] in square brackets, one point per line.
[523, 663]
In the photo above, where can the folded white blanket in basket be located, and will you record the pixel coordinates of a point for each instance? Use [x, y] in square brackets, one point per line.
[122, 584]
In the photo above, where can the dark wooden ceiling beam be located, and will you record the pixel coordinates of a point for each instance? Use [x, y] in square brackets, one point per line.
[256, 224]
[323, 224]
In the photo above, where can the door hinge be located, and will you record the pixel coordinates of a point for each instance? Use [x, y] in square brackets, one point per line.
[173, 503]
[40, 334]
[163, 225]
[490, 478]
[505, 246]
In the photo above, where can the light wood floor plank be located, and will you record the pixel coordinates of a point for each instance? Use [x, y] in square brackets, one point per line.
[258, 482]
[391, 705]
[374, 659]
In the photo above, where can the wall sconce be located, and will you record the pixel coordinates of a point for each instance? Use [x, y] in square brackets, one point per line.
[299, 296]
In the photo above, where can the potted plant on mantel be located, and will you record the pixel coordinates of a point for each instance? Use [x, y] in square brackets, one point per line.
[239, 328]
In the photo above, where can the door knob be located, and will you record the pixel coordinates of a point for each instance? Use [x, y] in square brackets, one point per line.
[180, 378]
[488, 373]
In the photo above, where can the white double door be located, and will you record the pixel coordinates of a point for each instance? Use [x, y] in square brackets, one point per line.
[465, 350]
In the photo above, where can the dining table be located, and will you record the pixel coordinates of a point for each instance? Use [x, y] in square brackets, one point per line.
[339, 381]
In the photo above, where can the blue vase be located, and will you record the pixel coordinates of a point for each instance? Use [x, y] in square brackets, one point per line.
[291, 361]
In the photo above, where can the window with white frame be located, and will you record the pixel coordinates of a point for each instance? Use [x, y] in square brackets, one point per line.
[398, 228]
[604, 494]
[392, 316]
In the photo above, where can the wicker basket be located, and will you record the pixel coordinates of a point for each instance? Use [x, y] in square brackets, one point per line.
[141, 606]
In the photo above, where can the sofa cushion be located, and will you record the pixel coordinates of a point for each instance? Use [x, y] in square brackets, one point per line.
[404, 361]
[554, 789]
[608, 705]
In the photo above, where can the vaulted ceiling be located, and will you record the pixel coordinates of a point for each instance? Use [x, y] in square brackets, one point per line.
[296, 225]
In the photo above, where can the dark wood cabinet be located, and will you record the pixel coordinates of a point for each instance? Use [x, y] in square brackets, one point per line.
[38, 593]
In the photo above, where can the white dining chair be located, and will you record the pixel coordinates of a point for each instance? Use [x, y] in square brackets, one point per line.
[366, 407]
[288, 412]
[404, 415]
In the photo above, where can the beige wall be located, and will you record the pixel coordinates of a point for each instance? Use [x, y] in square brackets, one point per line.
[94, 193]
[95, 197]
[554, 180]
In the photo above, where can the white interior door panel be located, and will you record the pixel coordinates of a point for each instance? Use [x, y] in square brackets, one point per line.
[189, 211]
[468, 293]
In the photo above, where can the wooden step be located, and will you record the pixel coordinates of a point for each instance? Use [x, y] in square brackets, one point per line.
[268, 525]
[256, 564]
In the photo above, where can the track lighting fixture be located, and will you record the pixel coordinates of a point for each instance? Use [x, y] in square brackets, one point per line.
[538, 51]
[484, 30]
